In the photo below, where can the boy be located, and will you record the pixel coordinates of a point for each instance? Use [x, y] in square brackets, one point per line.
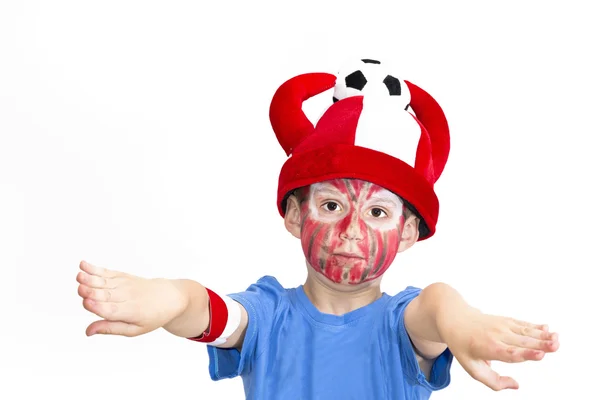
[354, 200]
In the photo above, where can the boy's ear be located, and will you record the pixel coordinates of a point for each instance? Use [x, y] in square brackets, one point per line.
[292, 216]
[410, 233]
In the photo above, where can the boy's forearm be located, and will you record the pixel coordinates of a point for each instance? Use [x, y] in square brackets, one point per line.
[429, 314]
[195, 317]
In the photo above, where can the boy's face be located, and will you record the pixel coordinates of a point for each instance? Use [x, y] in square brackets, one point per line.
[351, 230]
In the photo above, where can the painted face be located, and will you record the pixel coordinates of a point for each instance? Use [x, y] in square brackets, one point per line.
[350, 229]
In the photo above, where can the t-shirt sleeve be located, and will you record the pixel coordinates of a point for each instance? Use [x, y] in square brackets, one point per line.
[439, 377]
[260, 301]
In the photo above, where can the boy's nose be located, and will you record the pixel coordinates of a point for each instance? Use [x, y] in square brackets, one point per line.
[353, 231]
[351, 236]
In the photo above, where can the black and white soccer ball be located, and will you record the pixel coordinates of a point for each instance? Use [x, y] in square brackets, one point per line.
[370, 78]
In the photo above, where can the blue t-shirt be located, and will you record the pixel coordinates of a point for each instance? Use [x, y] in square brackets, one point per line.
[293, 351]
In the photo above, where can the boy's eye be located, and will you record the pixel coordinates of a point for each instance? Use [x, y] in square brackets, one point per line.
[377, 212]
[332, 206]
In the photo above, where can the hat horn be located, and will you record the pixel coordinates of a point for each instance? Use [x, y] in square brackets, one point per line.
[431, 115]
[288, 120]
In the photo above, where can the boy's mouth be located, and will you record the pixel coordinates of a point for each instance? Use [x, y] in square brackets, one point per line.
[349, 255]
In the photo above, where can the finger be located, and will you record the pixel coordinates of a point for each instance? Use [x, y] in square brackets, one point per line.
[556, 343]
[98, 271]
[105, 295]
[543, 340]
[124, 312]
[531, 332]
[527, 342]
[481, 371]
[514, 354]
[508, 353]
[542, 327]
[114, 328]
[553, 344]
[95, 281]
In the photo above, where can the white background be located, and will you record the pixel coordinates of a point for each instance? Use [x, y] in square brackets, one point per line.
[135, 135]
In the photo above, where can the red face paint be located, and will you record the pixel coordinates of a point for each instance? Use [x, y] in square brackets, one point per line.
[351, 229]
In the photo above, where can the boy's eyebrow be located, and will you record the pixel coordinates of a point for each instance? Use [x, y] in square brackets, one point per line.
[384, 199]
[326, 190]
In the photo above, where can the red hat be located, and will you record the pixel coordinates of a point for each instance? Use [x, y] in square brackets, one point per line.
[352, 140]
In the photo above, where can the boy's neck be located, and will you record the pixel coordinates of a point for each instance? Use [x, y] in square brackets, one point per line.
[337, 299]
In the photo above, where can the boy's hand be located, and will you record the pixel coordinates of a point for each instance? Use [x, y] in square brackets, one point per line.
[129, 305]
[476, 338]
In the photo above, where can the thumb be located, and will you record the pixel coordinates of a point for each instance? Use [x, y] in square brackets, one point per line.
[481, 370]
[104, 327]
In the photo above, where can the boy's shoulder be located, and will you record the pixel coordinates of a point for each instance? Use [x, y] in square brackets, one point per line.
[267, 284]
[269, 280]
[397, 303]
[406, 294]
[267, 291]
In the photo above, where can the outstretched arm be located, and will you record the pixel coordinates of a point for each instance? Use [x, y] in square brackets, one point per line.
[132, 306]
[439, 317]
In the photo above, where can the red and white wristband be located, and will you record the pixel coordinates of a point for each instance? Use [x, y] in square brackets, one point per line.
[225, 318]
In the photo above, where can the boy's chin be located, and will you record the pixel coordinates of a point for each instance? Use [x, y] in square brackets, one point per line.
[335, 281]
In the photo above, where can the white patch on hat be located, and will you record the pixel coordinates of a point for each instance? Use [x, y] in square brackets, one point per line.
[385, 126]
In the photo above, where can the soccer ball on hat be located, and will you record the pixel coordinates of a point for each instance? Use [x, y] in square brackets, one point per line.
[370, 78]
